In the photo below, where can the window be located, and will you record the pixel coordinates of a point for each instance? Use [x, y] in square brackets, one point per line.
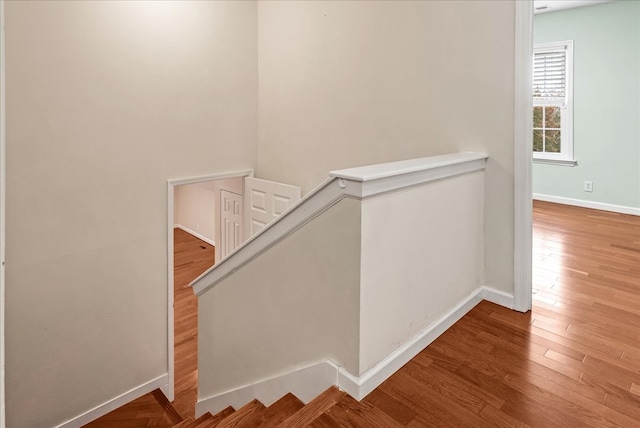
[553, 103]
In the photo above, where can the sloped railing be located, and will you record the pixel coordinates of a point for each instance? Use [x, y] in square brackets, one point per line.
[360, 182]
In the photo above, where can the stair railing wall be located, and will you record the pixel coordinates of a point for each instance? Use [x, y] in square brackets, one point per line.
[347, 286]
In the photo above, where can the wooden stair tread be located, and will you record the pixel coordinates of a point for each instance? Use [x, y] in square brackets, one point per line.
[325, 421]
[279, 411]
[314, 408]
[350, 413]
[184, 423]
[243, 417]
[218, 417]
[197, 423]
[168, 407]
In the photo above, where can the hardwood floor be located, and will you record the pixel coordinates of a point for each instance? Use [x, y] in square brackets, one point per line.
[573, 361]
[191, 257]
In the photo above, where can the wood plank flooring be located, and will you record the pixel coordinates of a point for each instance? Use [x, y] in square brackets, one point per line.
[191, 257]
[573, 361]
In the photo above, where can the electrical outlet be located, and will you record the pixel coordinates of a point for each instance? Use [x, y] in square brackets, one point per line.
[588, 186]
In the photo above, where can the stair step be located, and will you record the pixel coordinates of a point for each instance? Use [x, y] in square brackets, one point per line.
[218, 417]
[313, 409]
[168, 407]
[349, 412]
[325, 421]
[184, 423]
[243, 417]
[280, 410]
[195, 423]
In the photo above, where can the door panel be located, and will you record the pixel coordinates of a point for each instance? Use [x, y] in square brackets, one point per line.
[265, 201]
[231, 222]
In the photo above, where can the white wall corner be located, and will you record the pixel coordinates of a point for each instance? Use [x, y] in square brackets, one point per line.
[113, 404]
[196, 234]
[306, 383]
[498, 297]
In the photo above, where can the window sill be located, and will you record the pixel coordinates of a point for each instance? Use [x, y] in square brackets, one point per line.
[560, 162]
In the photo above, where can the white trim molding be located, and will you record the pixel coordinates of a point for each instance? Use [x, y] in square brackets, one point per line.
[557, 162]
[621, 209]
[309, 381]
[376, 179]
[523, 141]
[111, 405]
[196, 234]
[360, 386]
[498, 297]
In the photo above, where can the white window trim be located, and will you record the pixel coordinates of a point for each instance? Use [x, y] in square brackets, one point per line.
[566, 155]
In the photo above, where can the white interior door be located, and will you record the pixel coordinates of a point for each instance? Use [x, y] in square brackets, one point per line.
[264, 201]
[230, 222]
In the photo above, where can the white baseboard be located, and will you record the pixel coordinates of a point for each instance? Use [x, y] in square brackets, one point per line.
[306, 383]
[498, 297]
[119, 401]
[360, 387]
[587, 204]
[196, 234]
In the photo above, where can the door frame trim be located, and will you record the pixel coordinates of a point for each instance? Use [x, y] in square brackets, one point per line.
[169, 389]
[522, 195]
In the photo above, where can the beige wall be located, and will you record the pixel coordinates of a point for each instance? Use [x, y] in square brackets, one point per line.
[354, 82]
[105, 102]
[196, 209]
[294, 305]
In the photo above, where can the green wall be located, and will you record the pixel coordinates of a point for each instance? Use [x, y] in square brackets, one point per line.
[606, 103]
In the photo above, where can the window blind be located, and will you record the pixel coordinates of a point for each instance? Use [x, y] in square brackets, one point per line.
[550, 77]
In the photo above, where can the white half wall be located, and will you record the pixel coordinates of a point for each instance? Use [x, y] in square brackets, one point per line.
[295, 304]
[422, 254]
[364, 283]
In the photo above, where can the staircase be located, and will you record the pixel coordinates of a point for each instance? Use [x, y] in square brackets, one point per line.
[287, 412]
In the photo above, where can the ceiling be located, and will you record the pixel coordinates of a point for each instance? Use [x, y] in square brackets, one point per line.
[545, 6]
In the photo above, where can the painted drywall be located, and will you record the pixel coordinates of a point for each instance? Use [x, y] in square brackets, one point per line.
[429, 261]
[105, 102]
[606, 103]
[352, 83]
[2, 212]
[286, 309]
[196, 210]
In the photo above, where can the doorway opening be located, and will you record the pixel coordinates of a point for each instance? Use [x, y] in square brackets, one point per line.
[208, 219]
[194, 237]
